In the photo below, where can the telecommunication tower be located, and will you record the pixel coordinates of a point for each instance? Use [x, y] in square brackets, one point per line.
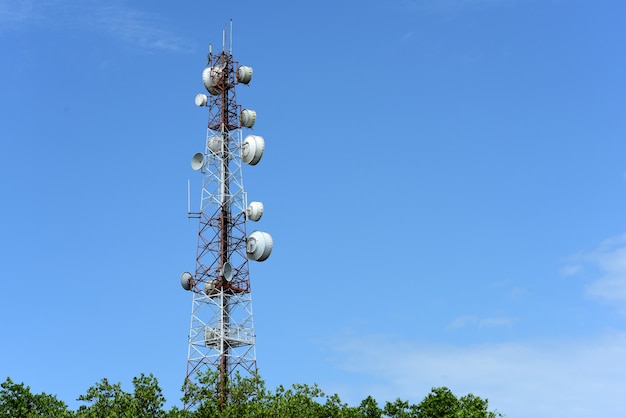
[221, 334]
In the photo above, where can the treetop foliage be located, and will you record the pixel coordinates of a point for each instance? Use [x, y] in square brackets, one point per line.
[239, 397]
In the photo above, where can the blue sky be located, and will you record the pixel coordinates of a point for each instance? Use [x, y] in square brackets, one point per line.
[445, 182]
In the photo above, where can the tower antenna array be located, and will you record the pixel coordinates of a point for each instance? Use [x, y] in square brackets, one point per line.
[221, 333]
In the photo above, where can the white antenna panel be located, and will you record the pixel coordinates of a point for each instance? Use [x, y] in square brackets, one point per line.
[254, 211]
[215, 144]
[247, 118]
[259, 246]
[252, 149]
[244, 74]
[209, 287]
[227, 271]
[201, 100]
[211, 77]
[197, 161]
[186, 280]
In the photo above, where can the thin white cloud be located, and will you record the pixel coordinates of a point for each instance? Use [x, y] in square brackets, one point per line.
[450, 5]
[575, 378]
[135, 27]
[479, 322]
[571, 270]
[130, 26]
[15, 14]
[607, 267]
[407, 35]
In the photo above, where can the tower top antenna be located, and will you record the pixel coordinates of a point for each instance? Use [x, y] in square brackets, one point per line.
[228, 29]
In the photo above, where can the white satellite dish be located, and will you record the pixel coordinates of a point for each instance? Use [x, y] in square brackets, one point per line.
[186, 280]
[227, 271]
[209, 287]
[197, 161]
[254, 211]
[259, 246]
[201, 100]
[210, 78]
[252, 149]
[247, 118]
[215, 144]
[244, 74]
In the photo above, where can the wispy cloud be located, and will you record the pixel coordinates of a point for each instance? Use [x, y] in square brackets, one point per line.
[450, 5]
[133, 26]
[480, 322]
[130, 26]
[14, 14]
[575, 378]
[407, 35]
[606, 265]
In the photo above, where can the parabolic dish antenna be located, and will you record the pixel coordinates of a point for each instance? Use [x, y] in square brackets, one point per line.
[244, 74]
[197, 161]
[201, 100]
[247, 118]
[186, 280]
[259, 246]
[252, 149]
[254, 211]
[215, 144]
[227, 271]
[211, 78]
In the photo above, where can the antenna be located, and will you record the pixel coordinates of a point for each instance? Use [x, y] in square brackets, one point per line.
[221, 333]
[224, 39]
[190, 214]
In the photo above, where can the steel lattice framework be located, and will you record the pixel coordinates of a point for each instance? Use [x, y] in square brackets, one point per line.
[221, 333]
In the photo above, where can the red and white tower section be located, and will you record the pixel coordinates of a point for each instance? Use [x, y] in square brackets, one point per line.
[221, 334]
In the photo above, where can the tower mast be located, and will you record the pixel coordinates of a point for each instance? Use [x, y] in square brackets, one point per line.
[221, 335]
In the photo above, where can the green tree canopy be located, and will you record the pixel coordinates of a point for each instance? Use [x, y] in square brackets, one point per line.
[17, 401]
[237, 397]
[441, 403]
[106, 400]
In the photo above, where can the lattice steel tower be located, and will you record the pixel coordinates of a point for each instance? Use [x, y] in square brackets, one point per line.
[221, 335]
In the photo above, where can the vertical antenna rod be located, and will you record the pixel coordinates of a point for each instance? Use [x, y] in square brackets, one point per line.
[230, 47]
